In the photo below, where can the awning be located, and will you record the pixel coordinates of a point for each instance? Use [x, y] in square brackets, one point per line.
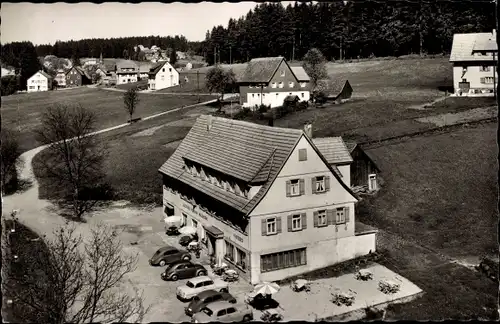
[214, 231]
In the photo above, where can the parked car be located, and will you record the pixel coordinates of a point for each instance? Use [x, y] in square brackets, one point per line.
[183, 270]
[223, 311]
[199, 284]
[206, 297]
[167, 255]
[173, 231]
[185, 240]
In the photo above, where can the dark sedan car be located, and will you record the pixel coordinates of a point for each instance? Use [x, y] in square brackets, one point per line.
[183, 270]
[167, 255]
[206, 297]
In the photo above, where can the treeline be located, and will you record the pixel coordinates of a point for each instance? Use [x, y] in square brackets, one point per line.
[22, 56]
[354, 29]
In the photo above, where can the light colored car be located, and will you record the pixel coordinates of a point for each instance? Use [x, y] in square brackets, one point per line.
[223, 311]
[196, 285]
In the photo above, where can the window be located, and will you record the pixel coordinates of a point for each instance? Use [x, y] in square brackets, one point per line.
[302, 95]
[291, 84]
[169, 210]
[282, 260]
[281, 85]
[294, 187]
[169, 69]
[231, 310]
[184, 219]
[253, 95]
[296, 222]
[303, 84]
[242, 256]
[221, 312]
[484, 68]
[487, 80]
[340, 215]
[282, 73]
[271, 226]
[163, 70]
[229, 251]
[273, 85]
[302, 154]
[319, 184]
[321, 219]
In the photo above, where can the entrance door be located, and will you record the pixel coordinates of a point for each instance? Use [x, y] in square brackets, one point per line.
[211, 245]
[372, 182]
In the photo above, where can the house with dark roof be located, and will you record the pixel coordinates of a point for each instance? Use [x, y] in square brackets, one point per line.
[262, 199]
[40, 81]
[77, 76]
[364, 171]
[337, 89]
[162, 75]
[268, 81]
[474, 57]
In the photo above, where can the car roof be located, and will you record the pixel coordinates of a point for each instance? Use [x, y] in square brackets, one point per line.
[207, 293]
[180, 262]
[199, 279]
[166, 248]
[218, 305]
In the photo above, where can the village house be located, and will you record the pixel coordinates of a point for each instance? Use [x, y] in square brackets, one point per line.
[40, 81]
[337, 90]
[61, 78]
[100, 73]
[301, 74]
[268, 81]
[126, 72]
[77, 76]
[231, 199]
[474, 57]
[364, 171]
[162, 75]
[335, 151]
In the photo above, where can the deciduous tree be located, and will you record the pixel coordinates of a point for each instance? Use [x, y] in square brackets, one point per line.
[315, 65]
[10, 156]
[130, 100]
[219, 81]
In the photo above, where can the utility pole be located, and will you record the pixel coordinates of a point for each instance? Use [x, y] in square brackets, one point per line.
[198, 81]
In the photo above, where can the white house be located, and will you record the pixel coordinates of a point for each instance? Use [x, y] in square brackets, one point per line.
[162, 75]
[474, 57]
[40, 81]
[263, 199]
[126, 72]
[61, 78]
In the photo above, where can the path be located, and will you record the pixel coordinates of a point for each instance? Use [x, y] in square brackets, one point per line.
[424, 105]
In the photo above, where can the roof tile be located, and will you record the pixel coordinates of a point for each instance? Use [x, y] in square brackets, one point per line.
[465, 44]
[300, 73]
[260, 69]
[333, 149]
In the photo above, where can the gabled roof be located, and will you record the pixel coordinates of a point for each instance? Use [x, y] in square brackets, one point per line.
[300, 73]
[351, 146]
[126, 65]
[82, 72]
[250, 152]
[45, 74]
[261, 69]
[465, 44]
[157, 67]
[144, 68]
[333, 149]
[331, 87]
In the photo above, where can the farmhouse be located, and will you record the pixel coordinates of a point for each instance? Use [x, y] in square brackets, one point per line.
[40, 81]
[76, 77]
[126, 72]
[364, 172]
[61, 78]
[100, 72]
[268, 81]
[162, 75]
[231, 199]
[338, 90]
[474, 57]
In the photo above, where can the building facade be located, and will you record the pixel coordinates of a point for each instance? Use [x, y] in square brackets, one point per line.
[126, 72]
[231, 199]
[61, 78]
[76, 77]
[364, 171]
[162, 75]
[40, 81]
[474, 57]
[268, 81]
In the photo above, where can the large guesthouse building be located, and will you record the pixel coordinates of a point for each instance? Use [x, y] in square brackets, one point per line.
[263, 199]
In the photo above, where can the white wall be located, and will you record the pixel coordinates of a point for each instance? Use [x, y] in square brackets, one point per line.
[167, 77]
[275, 99]
[473, 75]
[345, 170]
[37, 82]
[123, 78]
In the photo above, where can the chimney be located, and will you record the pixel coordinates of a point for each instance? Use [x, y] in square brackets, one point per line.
[308, 129]
[209, 122]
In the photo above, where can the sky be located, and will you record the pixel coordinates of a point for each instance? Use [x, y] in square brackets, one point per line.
[47, 23]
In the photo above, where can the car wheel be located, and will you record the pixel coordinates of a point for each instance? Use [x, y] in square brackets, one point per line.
[174, 277]
[162, 263]
[201, 273]
[224, 290]
[187, 257]
[246, 318]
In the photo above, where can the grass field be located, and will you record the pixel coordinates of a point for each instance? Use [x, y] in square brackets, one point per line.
[23, 111]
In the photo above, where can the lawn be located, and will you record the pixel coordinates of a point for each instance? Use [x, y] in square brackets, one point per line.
[127, 86]
[23, 111]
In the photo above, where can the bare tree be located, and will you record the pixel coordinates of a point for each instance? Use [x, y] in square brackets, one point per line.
[10, 156]
[74, 157]
[79, 281]
[131, 99]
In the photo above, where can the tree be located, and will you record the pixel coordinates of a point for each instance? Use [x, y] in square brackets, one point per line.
[11, 158]
[10, 84]
[173, 57]
[219, 81]
[315, 65]
[74, 157]
[131, 99]
[79, 281]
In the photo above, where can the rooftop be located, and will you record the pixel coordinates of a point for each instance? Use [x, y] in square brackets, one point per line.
[333, 149]
[331, 87]
[300, 73]
[260, 69]
[465, 44]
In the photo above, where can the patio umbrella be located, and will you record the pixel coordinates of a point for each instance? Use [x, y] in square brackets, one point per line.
[266, 288]
[188, 230]
[173, 220]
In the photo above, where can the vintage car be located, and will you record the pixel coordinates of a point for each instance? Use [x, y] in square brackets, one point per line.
[206, 297]
[223, 311]
[167, 255]
[196, 285]
[183, 270]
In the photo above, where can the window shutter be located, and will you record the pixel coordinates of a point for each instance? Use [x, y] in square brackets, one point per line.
[304, 220]
[330, 216]
[313, 184]
[278, 225]
[264, 227]
[288, 188]
[346, 212]
[327, 183]
[290, 223]
[302, 186]
[315, 219]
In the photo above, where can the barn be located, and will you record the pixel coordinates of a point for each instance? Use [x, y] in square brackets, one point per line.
[364, 172]
[338, 90]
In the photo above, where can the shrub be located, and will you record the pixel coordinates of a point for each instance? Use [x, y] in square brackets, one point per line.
[302, 105]
[242, 113]
[263, 108]
[10, 84]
